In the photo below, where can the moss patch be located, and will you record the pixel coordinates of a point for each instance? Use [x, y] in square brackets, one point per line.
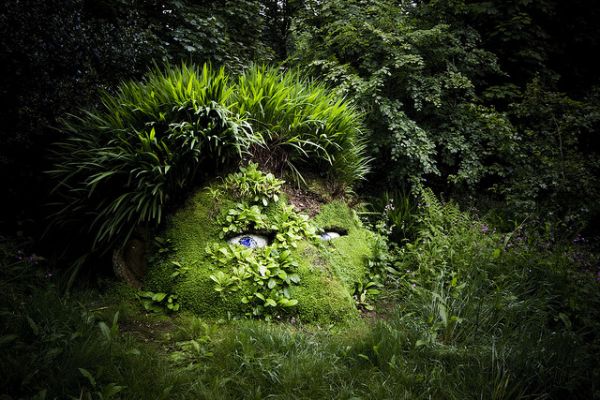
[337, 214]
[322, 296]
[348, 255]
[327, 271]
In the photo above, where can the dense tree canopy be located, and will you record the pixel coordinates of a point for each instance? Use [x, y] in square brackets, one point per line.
[455, 93]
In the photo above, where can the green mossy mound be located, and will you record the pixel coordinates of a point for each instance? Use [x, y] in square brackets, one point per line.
[328, 270]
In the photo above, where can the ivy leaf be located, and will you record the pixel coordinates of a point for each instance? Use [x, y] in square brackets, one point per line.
[282, 274]
[288, 302]
[270, 303]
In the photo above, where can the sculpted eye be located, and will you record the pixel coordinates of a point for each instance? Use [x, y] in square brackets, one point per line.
[249, 240]
[329, 235]
[332, 232]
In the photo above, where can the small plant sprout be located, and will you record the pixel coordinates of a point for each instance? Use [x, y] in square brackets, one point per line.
[159, 302]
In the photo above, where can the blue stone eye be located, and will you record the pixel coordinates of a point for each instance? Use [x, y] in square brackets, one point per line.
[247, 241]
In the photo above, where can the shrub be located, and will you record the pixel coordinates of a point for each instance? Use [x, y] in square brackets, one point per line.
[250, 182]
[123, 164]
[416, 84]
[555, 173]
[56, 55]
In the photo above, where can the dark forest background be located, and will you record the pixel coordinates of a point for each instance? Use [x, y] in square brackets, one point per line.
[493, 103]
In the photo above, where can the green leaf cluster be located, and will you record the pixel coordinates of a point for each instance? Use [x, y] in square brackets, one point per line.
[159, 302]
[364, 292]
[121, 166]
[242, 218]
[262, 276]
[290, 227]
[304, 125]
[252, 183]
[416, 84]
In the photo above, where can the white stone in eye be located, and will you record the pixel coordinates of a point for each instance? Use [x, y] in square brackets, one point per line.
[330, 235]
[249, 240]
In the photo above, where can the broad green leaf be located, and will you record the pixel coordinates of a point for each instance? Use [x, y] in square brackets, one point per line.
[105, 330]
[158, 297]
[88, 376]
[270, 303]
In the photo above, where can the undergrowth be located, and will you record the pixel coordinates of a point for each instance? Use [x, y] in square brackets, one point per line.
[466, 313]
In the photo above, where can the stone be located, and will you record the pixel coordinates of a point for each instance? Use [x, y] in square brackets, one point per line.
[129, 261]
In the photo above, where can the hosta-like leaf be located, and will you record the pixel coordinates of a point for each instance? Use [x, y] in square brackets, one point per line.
[270, 303]
[158, 297]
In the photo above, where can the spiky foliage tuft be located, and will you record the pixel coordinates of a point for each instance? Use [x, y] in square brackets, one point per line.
[121, 165]
[304, 125]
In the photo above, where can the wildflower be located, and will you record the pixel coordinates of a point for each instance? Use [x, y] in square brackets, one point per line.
[389, 206]
[484, 228]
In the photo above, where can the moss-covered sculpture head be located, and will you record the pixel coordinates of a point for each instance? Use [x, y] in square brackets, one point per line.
[124, 166]
[240, 248]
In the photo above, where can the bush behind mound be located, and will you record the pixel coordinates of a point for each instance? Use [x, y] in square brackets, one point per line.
[128, 162]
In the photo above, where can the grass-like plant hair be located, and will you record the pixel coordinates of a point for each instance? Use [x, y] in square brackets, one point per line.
[123, 164]
[304, 125]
